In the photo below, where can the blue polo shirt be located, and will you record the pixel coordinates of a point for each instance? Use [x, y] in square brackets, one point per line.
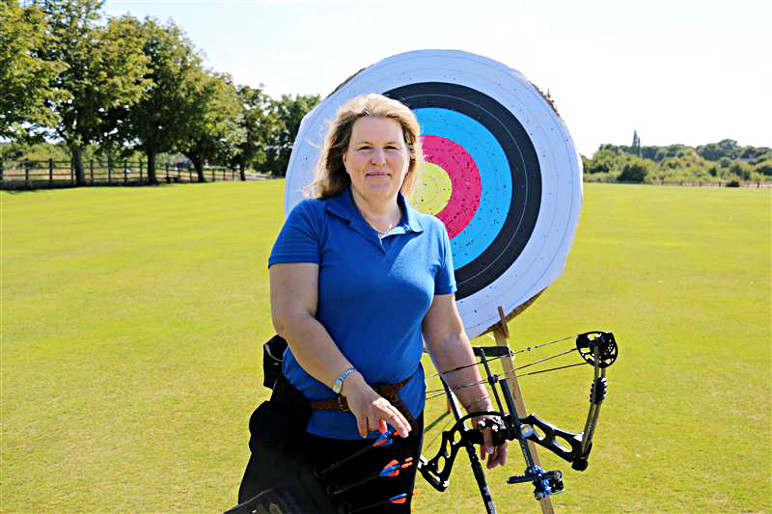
[373, 295]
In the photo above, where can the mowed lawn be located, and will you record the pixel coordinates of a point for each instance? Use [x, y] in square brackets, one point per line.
[132, 323]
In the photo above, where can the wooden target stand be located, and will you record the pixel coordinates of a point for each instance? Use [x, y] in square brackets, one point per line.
[501, 335]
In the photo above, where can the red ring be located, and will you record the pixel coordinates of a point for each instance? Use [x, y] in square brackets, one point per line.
[464, 178]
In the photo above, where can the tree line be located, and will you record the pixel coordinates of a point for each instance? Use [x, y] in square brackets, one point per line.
[725, 161]
[117, 86]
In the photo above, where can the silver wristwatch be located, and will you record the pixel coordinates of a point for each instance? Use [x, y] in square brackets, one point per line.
[337, 385]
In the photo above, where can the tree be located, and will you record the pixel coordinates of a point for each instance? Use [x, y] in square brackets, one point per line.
[214, 131]
[741, 169]
[649, 152]
[103, 70]
[604, 161]
[258, 121]
[25, 77]
[289, 112]
[715, 151]
[159, 121]
[764, 167]
[610, 148]
[636, 170]
[586, 163]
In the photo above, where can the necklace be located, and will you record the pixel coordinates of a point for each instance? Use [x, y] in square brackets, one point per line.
[381, 233]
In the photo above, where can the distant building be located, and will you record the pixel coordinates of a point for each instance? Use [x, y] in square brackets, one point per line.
[636, 147]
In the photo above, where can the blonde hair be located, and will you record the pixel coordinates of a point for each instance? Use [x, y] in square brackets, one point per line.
[331, 176]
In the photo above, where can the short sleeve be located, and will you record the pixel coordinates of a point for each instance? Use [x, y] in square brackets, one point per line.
[299, 239]
[445, 279]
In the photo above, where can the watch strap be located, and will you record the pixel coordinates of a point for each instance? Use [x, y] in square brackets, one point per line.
[337, 384]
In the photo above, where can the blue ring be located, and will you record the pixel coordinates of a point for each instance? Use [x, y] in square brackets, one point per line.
[495, 177]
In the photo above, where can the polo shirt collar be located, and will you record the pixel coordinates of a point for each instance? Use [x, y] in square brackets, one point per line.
[342, 205]
[411, 216]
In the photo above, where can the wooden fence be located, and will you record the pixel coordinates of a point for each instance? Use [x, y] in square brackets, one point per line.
[693, 183]
[29, 174]
[35, 174]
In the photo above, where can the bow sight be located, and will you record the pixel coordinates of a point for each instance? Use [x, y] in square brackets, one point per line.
[598, 349]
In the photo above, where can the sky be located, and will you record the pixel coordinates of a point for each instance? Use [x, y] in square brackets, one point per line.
[676, 71]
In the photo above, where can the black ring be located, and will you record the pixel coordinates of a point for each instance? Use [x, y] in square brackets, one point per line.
[518, 227]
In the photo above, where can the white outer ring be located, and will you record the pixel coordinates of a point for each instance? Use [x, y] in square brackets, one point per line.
[544, 256]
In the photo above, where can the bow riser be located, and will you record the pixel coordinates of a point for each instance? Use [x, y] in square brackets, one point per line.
[564, 444]
[437, 470]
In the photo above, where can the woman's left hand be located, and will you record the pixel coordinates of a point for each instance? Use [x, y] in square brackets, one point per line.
[495, 455]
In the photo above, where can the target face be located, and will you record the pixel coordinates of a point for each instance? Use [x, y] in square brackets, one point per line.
[501, 172]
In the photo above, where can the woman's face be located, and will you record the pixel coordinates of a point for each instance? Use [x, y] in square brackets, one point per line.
[377, 158]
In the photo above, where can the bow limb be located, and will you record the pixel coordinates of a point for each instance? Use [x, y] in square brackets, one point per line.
[597, 395]
[600, 350]
[437, 470]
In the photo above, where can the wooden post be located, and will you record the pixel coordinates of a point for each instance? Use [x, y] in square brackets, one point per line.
[166, 167]
[26, 172]
[125, 172]
[140, 172]
[51, 172]
[91, 170]
[501, 334]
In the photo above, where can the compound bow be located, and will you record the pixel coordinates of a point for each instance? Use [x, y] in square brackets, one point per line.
[598, 349]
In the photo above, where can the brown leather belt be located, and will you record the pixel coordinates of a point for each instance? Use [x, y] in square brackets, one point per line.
[388, 391]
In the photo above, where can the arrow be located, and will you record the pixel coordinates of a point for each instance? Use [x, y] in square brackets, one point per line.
[389, 470]
[396, 500]
[382, 441]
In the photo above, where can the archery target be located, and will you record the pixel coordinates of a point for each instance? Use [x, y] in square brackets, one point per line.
[501, 172]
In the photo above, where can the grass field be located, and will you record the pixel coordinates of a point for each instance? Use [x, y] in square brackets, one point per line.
[132, 321]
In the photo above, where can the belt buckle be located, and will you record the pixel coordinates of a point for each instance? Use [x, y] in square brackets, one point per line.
[343, 406]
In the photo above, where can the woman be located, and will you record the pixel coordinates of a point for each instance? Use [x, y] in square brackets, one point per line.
[357, 278]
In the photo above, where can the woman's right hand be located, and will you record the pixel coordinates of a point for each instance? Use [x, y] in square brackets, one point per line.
[371, 410]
